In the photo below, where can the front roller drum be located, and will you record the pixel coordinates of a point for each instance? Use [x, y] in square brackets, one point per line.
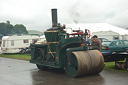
[82, 63]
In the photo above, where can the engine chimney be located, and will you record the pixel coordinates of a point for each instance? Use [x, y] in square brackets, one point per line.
[54, 17]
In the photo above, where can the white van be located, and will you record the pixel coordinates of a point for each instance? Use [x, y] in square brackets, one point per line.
[13, 44]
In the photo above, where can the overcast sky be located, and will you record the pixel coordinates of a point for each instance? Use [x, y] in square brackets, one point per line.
[36, 14]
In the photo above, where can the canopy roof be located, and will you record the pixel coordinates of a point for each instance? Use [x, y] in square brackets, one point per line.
[96, 27]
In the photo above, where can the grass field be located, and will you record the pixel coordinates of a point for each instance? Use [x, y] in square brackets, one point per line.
[108, 65]
[111, 66]
[16, 56]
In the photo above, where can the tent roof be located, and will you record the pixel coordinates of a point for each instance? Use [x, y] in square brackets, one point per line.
[34, 32]
[96, 27]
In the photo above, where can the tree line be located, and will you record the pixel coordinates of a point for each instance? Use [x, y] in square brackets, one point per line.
[9, 29]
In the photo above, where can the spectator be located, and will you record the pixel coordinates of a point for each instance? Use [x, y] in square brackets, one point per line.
[96, 42]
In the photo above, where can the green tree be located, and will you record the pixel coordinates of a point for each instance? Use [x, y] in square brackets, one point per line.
[8, 22]
[20, 29]
[6, 28]
[10, 29]
[3, 28]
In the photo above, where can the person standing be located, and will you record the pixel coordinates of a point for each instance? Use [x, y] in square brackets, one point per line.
[96, 42]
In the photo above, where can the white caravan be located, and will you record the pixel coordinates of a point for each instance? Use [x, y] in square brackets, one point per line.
[110, 35]
[42, 40]
[13, 44]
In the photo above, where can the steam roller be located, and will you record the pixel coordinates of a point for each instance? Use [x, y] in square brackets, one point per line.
[67, 51]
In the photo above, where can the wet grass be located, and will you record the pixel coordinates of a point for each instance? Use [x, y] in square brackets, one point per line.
[111, 66]
[17, 56]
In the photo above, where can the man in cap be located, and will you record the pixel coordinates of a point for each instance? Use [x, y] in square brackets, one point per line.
[96, 42]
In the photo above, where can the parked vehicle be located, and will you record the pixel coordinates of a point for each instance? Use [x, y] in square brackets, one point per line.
[88, 41]
[25, 50]
[14, 44]
[115, 50]
[103, 39]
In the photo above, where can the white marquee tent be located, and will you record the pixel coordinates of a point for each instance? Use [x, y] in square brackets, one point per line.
[103, 30]
[96, 27]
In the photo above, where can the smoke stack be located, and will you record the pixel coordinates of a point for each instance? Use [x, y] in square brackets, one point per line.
[54, 17]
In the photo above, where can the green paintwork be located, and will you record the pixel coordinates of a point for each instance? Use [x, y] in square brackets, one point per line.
[52, 36]
[41, 53]
[54, 59]
[115, 47]
[59, 48]
[71, 65]
[118, 50]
